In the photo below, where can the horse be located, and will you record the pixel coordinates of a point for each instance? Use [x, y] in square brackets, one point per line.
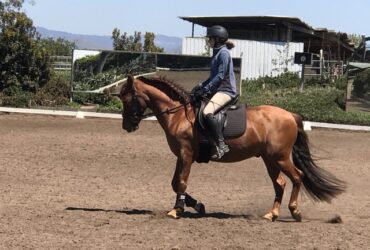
[272, 133]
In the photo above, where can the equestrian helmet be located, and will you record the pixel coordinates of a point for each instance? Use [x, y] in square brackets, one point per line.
[217, 31]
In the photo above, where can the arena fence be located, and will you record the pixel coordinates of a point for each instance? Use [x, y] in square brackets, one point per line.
[80, 114]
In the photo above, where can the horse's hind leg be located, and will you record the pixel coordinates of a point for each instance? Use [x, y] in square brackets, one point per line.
[295, 176]
[278, 181]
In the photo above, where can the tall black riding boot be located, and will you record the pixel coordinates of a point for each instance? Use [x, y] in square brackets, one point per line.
[215, 127]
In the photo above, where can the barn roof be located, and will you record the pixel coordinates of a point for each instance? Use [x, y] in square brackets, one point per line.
[302, 32]
[243, 22]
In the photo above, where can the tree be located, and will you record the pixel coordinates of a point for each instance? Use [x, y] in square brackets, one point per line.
[57, 47]
[283, 61]
[126, 43]
[207, 48]
[11, 4]
[24, 63]
[149, 45]
[356, 39]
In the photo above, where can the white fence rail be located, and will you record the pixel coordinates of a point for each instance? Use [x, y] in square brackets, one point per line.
[80, 114]
[326, 68]
[258, 58]
[61, 62]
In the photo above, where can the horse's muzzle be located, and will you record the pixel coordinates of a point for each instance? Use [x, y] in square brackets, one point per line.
[129, 127]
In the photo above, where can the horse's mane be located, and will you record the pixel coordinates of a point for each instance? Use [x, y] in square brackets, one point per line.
[169, 87]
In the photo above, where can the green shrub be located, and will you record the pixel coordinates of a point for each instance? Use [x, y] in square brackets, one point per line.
[286, 80]
[14, 96]
[90, 98]
[341, 83]
[114, 105]
[321, 101]
[56, 91]
[74, 105]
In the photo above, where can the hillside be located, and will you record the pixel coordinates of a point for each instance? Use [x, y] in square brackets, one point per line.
[170, 44]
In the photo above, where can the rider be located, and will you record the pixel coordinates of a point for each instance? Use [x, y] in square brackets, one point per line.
[220, 85]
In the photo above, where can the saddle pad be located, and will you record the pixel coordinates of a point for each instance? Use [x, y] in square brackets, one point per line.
[236, 122]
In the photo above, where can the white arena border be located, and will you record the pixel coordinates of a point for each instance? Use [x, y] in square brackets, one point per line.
[77, 114]
[81, 114]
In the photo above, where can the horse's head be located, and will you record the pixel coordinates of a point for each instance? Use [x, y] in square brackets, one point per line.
[134, 105]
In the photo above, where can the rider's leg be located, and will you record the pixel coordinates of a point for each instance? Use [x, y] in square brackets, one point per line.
[216, 103]
[214, 125]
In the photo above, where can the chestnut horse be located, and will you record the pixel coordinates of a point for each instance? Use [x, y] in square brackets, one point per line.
[272, 133]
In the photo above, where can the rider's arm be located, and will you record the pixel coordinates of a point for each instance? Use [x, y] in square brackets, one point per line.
[205, 83]
[215, 81]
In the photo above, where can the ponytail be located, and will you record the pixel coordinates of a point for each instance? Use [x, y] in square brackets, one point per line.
[229, 45]
[218, 42]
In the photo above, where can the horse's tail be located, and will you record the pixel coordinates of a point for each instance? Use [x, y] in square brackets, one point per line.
[319, 183]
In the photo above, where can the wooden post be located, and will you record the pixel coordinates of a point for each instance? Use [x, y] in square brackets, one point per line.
[338, 47]
[364, 54]
[289, 35]
[321, 63]
[72, 76]
[302, 77]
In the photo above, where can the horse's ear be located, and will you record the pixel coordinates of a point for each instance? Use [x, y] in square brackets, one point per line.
[130, 82]
[130, 79]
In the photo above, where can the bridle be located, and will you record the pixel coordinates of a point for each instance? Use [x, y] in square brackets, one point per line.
[138, 110]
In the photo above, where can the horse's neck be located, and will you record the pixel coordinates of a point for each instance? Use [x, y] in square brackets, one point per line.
[167, 110]
[159, 103]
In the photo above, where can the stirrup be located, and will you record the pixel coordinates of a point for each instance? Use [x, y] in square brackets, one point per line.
[220, 152]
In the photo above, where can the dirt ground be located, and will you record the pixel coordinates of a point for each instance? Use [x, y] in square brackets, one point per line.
[69, 183]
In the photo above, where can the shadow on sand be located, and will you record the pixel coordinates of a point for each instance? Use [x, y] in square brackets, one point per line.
[188, 215]
[218, 215]
[124, 211]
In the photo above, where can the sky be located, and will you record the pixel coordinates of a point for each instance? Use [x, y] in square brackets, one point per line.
[100, 17]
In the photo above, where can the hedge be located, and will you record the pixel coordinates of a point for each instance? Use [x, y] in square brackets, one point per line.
[319, 101]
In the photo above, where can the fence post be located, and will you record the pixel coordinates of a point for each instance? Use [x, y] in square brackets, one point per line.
[302, 78]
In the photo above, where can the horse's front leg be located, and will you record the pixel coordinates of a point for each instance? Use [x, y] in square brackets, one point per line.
[179, 185]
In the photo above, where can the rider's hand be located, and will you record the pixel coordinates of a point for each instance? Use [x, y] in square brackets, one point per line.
[199, 92]
[196, 88]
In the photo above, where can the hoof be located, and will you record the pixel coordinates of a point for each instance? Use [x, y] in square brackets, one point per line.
[270, 216]
[297, 216]
[174, 214]
[200, 208]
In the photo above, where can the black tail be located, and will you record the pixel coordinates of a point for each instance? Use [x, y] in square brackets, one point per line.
[319, 183]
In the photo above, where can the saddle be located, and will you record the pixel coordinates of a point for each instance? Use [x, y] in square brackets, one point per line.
[233, 118]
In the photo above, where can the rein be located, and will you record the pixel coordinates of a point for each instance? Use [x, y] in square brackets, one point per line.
[139, 117]
[167, 111]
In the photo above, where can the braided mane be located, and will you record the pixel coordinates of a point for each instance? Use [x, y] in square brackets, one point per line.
[169, 87]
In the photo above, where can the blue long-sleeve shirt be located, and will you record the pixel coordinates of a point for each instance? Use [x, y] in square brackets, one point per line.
[221, 78]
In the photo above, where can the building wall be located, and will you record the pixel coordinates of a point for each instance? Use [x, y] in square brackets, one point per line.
[259, 58]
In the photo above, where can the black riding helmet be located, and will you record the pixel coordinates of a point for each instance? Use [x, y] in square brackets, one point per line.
[217, 31]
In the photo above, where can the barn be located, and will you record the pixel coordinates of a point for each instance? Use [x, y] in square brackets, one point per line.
[267, 44]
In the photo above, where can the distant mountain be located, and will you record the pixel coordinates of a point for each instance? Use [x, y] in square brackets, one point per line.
[169, 43]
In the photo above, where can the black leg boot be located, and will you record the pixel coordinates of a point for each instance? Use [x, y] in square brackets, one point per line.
[215, 128]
